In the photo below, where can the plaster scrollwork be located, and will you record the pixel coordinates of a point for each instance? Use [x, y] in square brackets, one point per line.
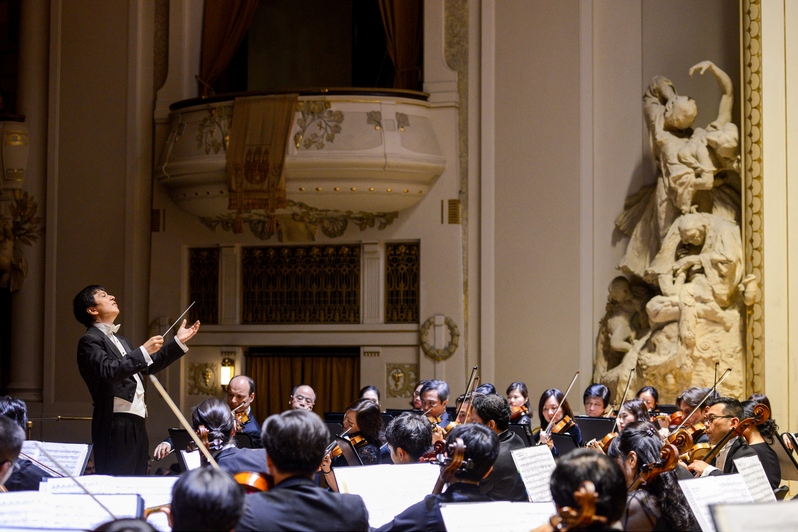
[318, 113]
[203, 379]
[374, 118]
[402, 121]
[445, 352]
[219, 118]
[20, 228]
[401, 379]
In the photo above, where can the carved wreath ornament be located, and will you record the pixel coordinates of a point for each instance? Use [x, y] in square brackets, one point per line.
[446, 352]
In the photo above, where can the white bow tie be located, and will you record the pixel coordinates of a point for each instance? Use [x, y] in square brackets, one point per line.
[112, 329]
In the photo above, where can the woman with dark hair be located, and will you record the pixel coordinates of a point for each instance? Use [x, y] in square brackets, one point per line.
[650, 396]
[547, 408]
[596, 400]
[659, 504]
[363, 422]
[518, 399]
[370, 392]
[215, 417]
[631, 411]
[760, 438]
[416, 403]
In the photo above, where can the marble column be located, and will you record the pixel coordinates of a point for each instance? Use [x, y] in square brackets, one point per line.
[27, 305]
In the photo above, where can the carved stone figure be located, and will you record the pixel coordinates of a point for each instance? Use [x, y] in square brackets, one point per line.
[685, 244]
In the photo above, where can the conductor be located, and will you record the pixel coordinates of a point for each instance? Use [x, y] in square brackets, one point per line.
[113, 371]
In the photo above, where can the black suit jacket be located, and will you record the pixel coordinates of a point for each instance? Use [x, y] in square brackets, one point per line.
[108, 374]
[426, 515]
[252, 429]
[298, 504]
[739, 449]
[235, 460]
[504, 483]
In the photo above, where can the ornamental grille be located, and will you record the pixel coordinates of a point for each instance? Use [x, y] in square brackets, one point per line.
[301, 284]
[402, 265]
[203, 285]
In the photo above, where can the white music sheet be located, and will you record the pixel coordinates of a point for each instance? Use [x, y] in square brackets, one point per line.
[762, 517]
[72, 456]
[722, 489]
[35, 509]
[755, 478]
[500, 516]
[535, 465]
[387, 489]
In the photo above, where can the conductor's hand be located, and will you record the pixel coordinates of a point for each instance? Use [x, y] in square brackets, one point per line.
[162, 450]
[153, 344]
[184, 334]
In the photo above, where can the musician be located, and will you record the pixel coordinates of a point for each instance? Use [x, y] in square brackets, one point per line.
[518, 399]
[370, 392]
[650, 396]
[660, 504]
[607, 478]
[435, 398]
[409, 437]
[462, 406]
[596, 400]
[113, 371]
[760, 438]
[205, 499]
[503, 483]
[26, 475]
[363, 422]
[481, 450]
[216, 417]
[485, 388]
[416, 403]
[687, 403]
[295, 443]
[723, 415]
[302, 397]
[11, 439]
[631, 411]
[547, 407]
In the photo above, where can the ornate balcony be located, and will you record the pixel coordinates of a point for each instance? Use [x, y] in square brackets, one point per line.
[368, 151]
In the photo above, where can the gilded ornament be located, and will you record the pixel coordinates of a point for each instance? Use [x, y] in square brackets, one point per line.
[202, 379]
[375, 118]
[401, 379]
[440, 354]
[327, 121]
[402, 121]
[218, 118]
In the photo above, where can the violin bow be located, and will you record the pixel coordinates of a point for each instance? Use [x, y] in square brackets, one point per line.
[714, 387]
[559, 406]
[628, 382]
[183, 421]
[470, 387]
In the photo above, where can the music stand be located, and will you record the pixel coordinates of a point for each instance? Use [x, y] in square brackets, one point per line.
[335, 428]
[563, 442]
[521, 431]
[180, 440]
[594, 428]
[349, 452]
[333, 417]
[787, 458]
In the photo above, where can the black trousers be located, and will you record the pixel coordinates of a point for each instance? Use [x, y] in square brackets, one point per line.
[129, 446]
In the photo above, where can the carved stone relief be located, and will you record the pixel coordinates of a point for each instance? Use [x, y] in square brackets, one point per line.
[203, 379]
[401, 379]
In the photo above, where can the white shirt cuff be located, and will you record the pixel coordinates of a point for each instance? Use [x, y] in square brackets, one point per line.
[181, 344]
[709, 469]
[147, 356]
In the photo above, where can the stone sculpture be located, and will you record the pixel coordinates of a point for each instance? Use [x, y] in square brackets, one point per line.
[684, 256]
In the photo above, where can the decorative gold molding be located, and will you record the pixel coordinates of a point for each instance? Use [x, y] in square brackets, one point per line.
[440, 354]
[203, 379]
[327, 120]
[218, 117]
[753, 233]
[401, 379]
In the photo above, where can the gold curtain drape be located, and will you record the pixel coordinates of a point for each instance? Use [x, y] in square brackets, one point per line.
[403, 36]
[335, 379]
[224, 25]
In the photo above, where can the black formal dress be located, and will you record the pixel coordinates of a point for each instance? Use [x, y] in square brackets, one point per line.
[109, 374]
[235, 460]
[770, 462]
[426, 515]
[252, 429]
[297, 503]
[504, 483]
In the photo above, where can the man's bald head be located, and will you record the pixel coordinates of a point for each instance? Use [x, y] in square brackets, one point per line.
[302, 397]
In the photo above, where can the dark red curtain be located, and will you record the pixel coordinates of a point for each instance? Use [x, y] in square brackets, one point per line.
[224, 25]
[403, 35]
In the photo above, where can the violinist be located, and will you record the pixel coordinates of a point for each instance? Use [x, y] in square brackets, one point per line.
[205, 499]
[518, 399]
[547, 407]
[240, 396]
[723, 415]
[409, 437]
[370, 392]
[504, 483]
[363, 422]
[417, 404]
[481, 450]
[596, 400]
[687, 403]
[650, 396]
[11, 439]
[760, 438]
[214, 416]
[302, 397]
[295, 443]
[631, 411]
[435, 398]
[26, 475]
[658, 504]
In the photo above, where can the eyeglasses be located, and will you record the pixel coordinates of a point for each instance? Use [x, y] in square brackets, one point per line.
[303, 399]
[712, 417]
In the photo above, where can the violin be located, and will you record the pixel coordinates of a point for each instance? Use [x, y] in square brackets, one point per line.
[668, 460]
[562, 425]
[580, 517]
[202, 432]
[517, 412]
[603, 444]
[254, 482]
[677, 418]
[242, 417]
[761, 414]
[684, 438]
[451, 462]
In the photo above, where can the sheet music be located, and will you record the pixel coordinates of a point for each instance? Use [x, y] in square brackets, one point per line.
[191, 459]
[705, 491]
[34, 509]
[387, 489]
[762, 517]
[503, 515]
[73, 456]
[755, 478]
[535, 465]
[154, 491]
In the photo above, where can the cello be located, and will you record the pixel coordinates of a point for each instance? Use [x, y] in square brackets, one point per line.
[705, 454]
[581, 516]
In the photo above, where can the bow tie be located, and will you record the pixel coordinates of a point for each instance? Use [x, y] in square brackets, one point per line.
[113, 329]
